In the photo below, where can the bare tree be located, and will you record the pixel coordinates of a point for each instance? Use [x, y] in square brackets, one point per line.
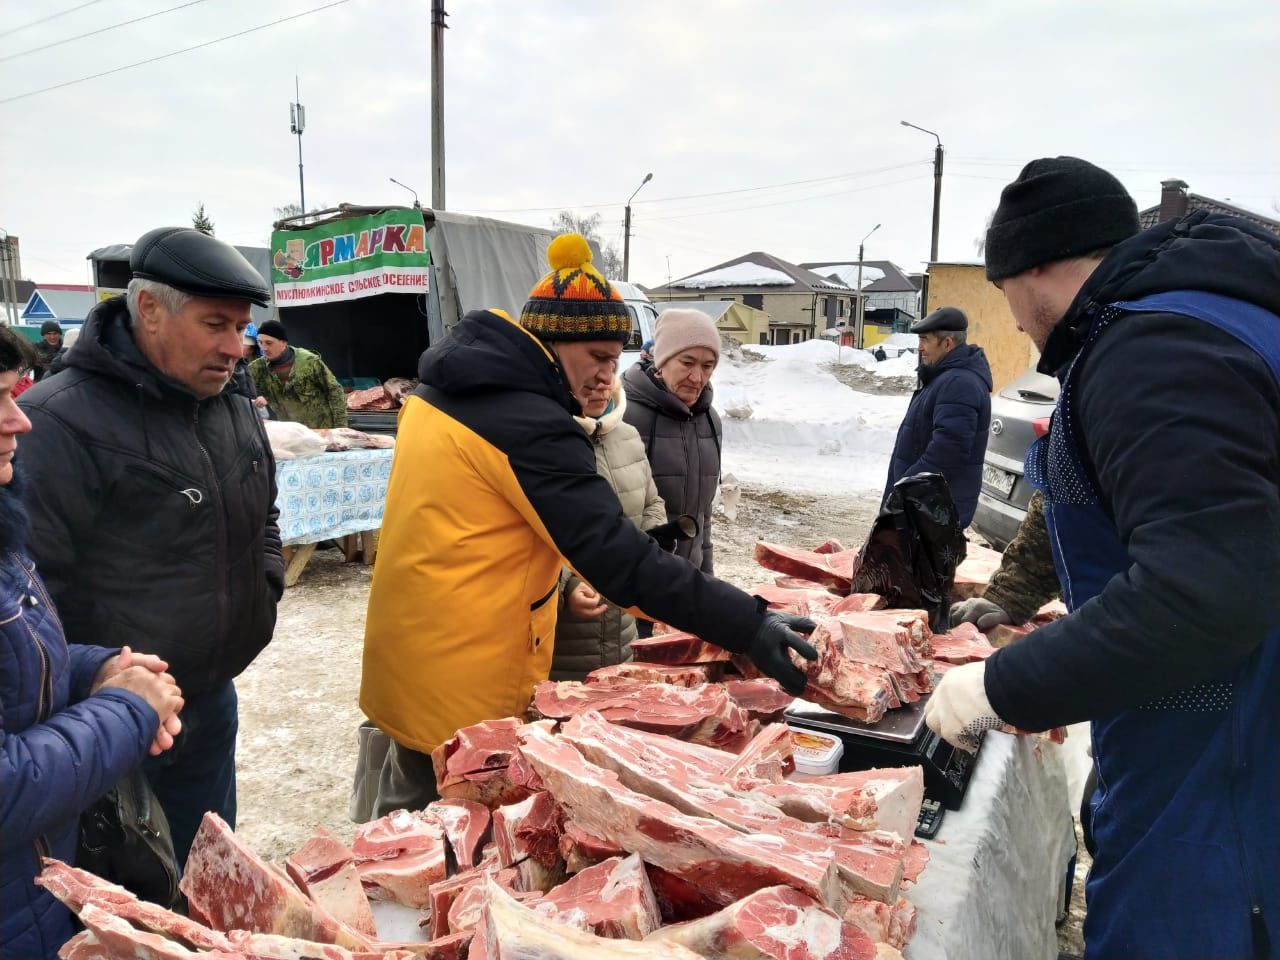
[201, 221]
[610, 263]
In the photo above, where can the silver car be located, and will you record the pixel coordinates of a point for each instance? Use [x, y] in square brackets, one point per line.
[1019, 414]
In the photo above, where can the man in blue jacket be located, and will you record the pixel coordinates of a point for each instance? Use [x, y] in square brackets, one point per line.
[945, 429]
[1161, 484]
[73, 719]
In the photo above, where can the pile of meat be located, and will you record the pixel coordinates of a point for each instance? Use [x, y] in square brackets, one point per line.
[585, 839]
[338, 439]
[388, 396]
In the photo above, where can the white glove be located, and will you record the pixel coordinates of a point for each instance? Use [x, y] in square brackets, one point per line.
[959, 711]
[979, 611]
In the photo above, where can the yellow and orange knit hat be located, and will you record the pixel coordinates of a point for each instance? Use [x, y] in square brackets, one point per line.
[574, 301]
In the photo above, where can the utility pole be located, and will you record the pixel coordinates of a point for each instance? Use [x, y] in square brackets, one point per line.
[438, 27]
[937, 211]
[626, 230]
[861, 311]
[9, 279]
[297, 122]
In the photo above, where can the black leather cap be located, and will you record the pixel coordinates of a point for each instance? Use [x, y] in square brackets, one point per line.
[943, 319]
[198, 264]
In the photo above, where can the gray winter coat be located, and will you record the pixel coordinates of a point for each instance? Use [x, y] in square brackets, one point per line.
[583, 645]
[684, 453]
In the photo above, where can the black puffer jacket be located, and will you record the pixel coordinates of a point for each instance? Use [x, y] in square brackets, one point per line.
[683, 445]
[154, 514]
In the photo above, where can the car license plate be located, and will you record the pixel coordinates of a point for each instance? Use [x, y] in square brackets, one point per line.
[997, 479]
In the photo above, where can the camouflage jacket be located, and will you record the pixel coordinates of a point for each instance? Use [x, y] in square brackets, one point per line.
[1026, 580]
[311, 395]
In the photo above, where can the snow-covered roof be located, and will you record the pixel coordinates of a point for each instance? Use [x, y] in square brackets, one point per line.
[847, 273]
[746, 274]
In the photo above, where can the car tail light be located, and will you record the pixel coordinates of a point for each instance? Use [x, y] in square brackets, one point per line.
[1040, 425]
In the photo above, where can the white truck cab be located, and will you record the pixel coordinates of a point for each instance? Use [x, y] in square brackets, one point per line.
[644, 315]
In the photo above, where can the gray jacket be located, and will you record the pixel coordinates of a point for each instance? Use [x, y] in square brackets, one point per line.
[684, 452]
[583, 645]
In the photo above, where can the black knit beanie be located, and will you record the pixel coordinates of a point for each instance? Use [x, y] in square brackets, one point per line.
[1059, 207]
[273, 328]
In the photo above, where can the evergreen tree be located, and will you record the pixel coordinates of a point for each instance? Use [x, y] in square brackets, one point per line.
[201, 221]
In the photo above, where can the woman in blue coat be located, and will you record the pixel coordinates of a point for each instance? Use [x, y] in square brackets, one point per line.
[73, 720]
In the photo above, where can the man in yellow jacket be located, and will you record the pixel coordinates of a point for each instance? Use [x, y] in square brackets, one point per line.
[493, 486]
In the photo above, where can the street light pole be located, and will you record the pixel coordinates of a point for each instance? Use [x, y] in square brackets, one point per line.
[937, 210]
[416, 204]
[861, 312]
[626, 230]
[438, 27]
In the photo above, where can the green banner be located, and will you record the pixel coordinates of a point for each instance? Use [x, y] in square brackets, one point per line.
[348, 259]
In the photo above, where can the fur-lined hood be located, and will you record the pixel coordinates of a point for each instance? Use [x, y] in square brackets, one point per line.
[599, 426]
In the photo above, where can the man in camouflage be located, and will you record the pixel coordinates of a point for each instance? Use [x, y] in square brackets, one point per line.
[1025, 582]
[295, 382]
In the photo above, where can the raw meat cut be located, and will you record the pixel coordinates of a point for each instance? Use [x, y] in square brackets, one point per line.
[611, 899]
[528, 838]
[870, 864]
[119, 938]
[76, 887]
[964, 643]
[291, 948]
[858, 603]
[581, 849]
[515, 932]
[768, 758]
[469, 906]
[717, 859]
[974, 572]
[677, 648]
[704, 715]
[887, 799]
[802, 601]
[444, 894]
[472, 764]
[233, 888]
[344, 438]
[323, 870]
[829, 569]
[888, 923]
[679, 900]
[466, 825]
[830, 546]
[763, 699]
[777, 923]
[399, 856]
[689, 675]
[375, 398]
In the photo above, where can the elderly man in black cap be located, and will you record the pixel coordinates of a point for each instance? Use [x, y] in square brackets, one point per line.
[945, 429]
[152, 498]
[1161, 486]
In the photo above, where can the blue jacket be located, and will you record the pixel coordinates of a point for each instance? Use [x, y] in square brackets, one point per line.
[60, 749]
[945, 429]
[1161, 475]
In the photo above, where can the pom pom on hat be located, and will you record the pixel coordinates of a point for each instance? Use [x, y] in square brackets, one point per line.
[574, 301]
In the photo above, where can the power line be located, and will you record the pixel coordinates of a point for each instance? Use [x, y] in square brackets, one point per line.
[701, 196]
[52, 16]
[166, 56]
[781, 203]
[94, 33]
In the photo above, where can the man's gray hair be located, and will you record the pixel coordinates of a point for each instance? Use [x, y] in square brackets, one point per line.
[959, 336]
[171, 298]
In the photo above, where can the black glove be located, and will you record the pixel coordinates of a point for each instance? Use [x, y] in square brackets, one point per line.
[674, 531]
[770, 649]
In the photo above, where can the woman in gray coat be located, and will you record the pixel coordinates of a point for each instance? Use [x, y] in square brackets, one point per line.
[669, 404]
[591, 633]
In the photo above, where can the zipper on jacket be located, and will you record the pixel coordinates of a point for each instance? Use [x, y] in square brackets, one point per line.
[218, 521]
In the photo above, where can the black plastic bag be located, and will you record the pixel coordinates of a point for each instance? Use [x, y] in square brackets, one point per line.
[125, 838]
[915, 545]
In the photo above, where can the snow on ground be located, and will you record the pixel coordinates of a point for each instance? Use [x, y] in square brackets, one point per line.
[789, 424]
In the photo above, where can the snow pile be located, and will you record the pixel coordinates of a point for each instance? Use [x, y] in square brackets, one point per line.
[746, 274]
[847, 273]
[903, 365]
[790, 425]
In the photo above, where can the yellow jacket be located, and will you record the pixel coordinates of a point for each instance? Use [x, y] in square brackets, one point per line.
[493, 487]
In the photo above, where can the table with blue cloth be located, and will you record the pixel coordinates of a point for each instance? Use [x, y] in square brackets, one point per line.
[331, 496]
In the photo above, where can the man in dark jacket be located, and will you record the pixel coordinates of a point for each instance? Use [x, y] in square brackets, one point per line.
[1161, 480]
[48, 347]
[945, 429]
[153, 498]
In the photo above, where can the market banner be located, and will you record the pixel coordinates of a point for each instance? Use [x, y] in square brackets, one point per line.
[352, 258]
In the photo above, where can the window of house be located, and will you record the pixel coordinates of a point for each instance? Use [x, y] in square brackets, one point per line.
[754, 300]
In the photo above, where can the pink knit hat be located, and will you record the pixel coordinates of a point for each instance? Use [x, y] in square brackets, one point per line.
[681, 329]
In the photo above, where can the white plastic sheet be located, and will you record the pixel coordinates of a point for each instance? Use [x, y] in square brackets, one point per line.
[996, 879]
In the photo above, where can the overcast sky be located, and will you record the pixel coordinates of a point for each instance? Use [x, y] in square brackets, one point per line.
[553, 105]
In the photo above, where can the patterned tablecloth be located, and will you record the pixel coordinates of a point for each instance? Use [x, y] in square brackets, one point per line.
[331, 495]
